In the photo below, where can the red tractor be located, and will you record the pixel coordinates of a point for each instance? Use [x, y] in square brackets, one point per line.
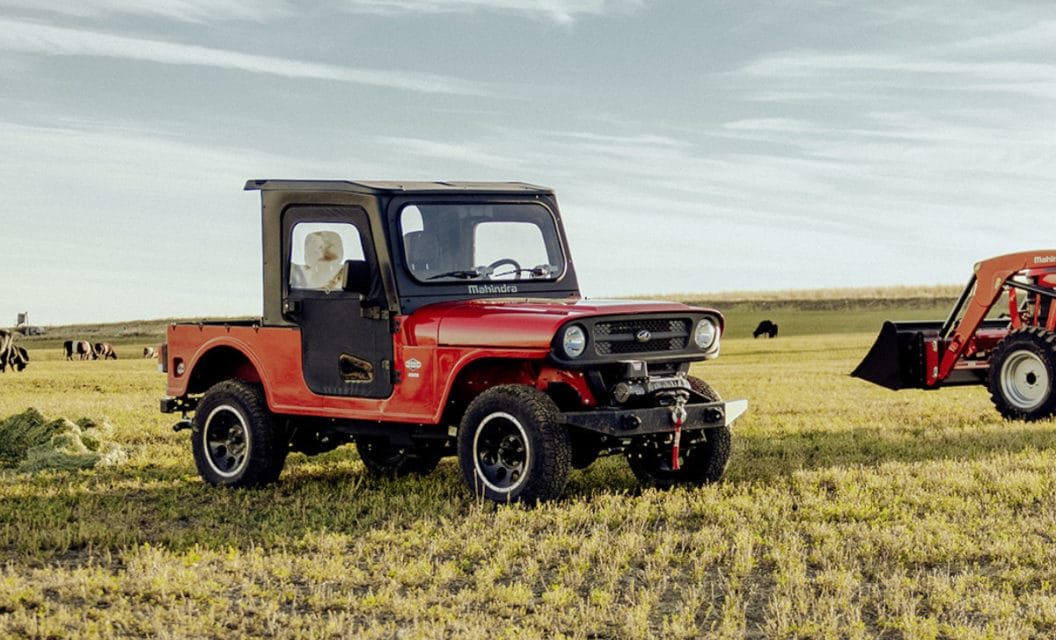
[425, 319]
[1013, 354]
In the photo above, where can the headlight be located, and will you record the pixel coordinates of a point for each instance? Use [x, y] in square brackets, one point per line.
[705, 334]
[574, 342]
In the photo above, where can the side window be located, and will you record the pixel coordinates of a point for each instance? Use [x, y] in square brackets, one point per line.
[318, 251]
[520, 242]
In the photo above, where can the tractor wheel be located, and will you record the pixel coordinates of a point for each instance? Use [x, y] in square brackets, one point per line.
[511, 446]
[702, 463]
[236, 441]
[384, 459]
[1022, 374]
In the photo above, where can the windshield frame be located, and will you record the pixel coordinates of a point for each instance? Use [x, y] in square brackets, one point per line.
[557, 240]
[412, 293]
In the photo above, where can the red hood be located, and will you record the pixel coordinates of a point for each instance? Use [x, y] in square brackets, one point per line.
[518, 322]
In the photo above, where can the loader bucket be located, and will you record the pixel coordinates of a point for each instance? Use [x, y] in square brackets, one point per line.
[896, 360]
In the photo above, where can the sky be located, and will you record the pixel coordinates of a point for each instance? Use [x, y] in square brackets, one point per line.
[693, 146]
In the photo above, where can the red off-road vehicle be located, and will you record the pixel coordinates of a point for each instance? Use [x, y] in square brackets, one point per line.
[427, 319]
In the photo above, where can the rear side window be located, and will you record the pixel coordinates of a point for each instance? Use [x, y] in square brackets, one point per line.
[318, 251]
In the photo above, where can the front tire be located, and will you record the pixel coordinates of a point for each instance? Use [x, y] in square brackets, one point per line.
[236, 441]
[511, 446]
[1022, 374]
[702, 463]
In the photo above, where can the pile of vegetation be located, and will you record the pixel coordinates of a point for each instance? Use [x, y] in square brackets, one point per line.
[30, 443]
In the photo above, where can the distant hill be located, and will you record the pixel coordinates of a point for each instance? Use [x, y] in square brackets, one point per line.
[798, 312]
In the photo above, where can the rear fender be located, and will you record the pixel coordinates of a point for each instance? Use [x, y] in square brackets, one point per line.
[222, 362]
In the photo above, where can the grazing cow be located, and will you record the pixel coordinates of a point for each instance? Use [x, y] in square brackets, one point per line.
[148, 352]
[18, 358]
[11, 355]
[767, 328]
[83, 350]
[7, 343]
[105, 351]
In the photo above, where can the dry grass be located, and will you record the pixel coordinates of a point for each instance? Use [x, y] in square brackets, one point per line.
[849, 511]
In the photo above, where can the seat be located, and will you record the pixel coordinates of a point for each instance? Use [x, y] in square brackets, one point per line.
[324, 265]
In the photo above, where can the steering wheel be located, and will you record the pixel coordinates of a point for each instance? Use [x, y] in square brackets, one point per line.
[506, 261]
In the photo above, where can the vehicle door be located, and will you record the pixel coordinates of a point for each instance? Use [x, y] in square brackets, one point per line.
[346, 342]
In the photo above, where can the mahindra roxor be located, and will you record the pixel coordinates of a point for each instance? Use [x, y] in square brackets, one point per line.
[420, 320]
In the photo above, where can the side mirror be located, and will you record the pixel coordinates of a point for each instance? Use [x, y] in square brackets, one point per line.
[357, 277]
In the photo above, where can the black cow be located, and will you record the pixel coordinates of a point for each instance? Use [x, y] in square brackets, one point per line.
[18, 358]
[11, 355]
[7, 344]
[767, 328]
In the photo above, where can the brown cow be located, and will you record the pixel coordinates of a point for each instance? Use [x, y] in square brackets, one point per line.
[83, 348]
[80, 348]
[105, 351]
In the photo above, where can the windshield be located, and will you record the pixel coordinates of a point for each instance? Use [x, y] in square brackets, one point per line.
[482, 242]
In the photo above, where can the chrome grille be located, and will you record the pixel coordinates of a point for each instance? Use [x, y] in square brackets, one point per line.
[620, 337]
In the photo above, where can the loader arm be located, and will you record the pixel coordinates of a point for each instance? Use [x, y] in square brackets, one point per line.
[989, 282]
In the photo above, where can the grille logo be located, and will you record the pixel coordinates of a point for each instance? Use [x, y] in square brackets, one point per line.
[643, 336]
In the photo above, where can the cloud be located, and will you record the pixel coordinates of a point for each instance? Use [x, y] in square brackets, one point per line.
[1036, 36]
[559, 11]
[180, 10]
[469, 153]
[40, 39]
[804, 64]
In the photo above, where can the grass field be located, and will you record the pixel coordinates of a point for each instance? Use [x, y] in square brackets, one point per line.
[848, 511]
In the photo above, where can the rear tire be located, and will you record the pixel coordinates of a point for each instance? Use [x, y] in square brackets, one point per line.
[1022, 374]
[236, 441]
[511, 446]
[384, 459]
[703, 463]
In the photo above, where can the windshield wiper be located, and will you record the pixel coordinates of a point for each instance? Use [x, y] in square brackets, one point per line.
[462, 274]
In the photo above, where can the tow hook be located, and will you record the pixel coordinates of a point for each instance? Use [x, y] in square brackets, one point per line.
[678, 417]
[184, 423]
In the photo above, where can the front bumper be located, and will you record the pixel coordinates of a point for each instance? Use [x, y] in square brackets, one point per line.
[625, 423]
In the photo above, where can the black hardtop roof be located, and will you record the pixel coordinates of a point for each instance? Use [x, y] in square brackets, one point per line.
[393, 186]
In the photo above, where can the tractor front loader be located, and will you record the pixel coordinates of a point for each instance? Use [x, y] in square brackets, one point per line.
[1013, 354]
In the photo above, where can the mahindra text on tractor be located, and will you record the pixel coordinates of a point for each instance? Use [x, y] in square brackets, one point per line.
[420, 320]
[1011, 349]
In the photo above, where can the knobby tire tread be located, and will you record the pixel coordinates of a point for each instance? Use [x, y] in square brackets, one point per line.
[552, 455]
[1042, 343]
[268, 446]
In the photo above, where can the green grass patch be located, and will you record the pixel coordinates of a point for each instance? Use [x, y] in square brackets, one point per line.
[849, 511]
[30, 443]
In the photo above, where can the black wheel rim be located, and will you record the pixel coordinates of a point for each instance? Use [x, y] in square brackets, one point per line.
[500, 452]
[226, 441]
